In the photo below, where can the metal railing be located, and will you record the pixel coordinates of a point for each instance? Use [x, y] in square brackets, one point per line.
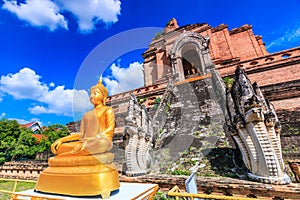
[16, 181]
[175, 192]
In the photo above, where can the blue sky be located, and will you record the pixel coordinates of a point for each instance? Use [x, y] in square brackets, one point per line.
[53, 50]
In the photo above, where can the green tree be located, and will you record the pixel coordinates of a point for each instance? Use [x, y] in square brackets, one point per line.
[17, 142]
[26, 145]
[52, 133]
[9, 134]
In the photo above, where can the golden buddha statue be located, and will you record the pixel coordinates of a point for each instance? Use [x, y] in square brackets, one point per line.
[82, 165]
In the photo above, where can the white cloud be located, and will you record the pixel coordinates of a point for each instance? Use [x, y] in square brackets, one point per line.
[20, 121]
[91, 12]
[50, 13]
[2, 115]
[124, 79]
[81, 101]
[60, 100]
[51, 84]
[1, 95]
[23, 85]
[38, 13]
[36, 110]
[26, 85]
[23, 121]
[290, 35]
[110, 85]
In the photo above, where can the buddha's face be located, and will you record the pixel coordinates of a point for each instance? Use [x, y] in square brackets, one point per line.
[96, 97]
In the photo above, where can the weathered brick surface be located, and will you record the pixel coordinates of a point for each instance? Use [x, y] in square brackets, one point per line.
[268, 62]
[227, 186]
[220, 44]
[288, 109]
[287, 92]
[22, 170]
[290, 140]
[245, 44]
[225, 45]
[279, 75]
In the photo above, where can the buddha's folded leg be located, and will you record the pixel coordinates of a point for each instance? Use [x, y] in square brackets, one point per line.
[100, 145]
[72, 149]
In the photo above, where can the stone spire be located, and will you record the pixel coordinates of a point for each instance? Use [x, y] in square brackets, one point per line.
[171, 25]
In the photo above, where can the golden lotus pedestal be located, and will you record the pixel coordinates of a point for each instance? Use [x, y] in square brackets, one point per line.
[80, 176]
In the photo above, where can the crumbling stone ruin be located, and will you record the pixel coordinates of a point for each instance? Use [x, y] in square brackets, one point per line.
[181, 121]
[182, 118]
[194, 98]
[276, 73]
[256, 130]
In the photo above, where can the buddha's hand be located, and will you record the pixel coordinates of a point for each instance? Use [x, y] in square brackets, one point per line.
[55, 146]
[100, 135]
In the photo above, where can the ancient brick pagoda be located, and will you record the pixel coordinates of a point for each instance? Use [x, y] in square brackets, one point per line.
[190, 54]
[277, 74]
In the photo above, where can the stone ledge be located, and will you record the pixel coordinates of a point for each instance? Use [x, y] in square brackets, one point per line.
[222, 185]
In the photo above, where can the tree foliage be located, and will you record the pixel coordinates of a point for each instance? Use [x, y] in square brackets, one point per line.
[17, 142]
[26, 145]
[9, 133]
[52, 133]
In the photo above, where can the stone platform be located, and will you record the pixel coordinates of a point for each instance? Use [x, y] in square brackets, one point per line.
[132, 191]
[223, 185]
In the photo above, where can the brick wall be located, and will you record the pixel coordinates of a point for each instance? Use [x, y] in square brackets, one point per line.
[239, 43]
[279, 75]
[22, 170]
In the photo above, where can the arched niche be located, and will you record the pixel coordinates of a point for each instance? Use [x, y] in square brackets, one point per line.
[190, 60]
[190, 56]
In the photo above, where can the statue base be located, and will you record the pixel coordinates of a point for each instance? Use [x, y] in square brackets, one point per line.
[271, 180]
[79, 181]
[79, 184]
[132, 191]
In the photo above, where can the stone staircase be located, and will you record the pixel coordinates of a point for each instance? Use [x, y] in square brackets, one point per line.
[187, 110]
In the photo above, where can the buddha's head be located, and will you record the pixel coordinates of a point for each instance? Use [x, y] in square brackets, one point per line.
[98, 93]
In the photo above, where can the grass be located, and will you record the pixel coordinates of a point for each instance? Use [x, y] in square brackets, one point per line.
[9, 185]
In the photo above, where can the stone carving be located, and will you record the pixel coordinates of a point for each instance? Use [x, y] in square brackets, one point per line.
[139, 129]
[256, 130]
[160, 115]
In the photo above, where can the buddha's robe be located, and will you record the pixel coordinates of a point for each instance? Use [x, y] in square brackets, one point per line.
[96, 131]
